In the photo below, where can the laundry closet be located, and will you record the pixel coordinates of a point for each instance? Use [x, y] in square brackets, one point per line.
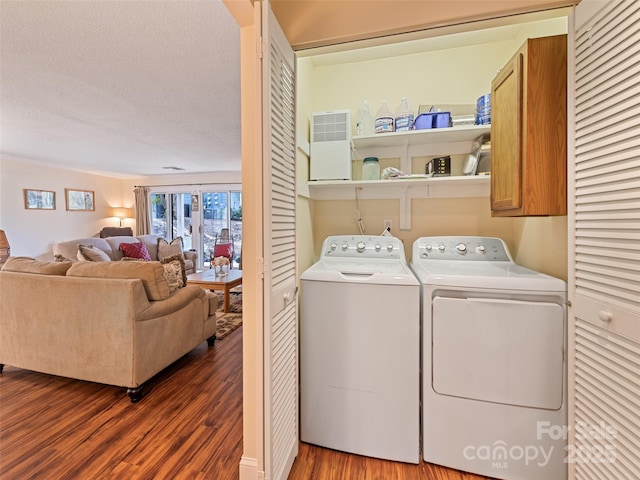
[445, 71]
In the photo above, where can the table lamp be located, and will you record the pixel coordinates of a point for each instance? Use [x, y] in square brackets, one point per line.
[121, 213]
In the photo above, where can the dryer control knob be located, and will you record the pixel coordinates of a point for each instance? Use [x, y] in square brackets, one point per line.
[481, 249]
[360, 246]
[428, 247]
[333, 246]
[345, 246]
[461, 248]
[378, 247]
[441, 247]
[389, 247]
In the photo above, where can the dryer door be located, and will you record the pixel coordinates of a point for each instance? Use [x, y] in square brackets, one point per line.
[501, 351]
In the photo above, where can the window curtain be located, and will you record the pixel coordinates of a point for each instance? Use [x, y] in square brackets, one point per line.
[143, 213]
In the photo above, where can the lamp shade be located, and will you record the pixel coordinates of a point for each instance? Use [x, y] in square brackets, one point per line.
[121, 212]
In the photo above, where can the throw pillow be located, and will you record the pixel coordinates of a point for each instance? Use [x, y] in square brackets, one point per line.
[135, 250]
[173, 274]
[166, 249]
[92, 254]
[179, 261]
[222, 250]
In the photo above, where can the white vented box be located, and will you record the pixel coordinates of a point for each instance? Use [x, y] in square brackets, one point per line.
[330, 150]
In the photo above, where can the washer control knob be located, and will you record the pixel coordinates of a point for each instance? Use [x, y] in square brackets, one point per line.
[480, 249]
[461, 248]
[333, 246]
[360, 246]
[345, 245]
[389, 247]
[441, 247]
[428, 247]
[378, 247]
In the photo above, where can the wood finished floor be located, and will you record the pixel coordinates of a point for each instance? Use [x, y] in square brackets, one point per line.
[188, 426]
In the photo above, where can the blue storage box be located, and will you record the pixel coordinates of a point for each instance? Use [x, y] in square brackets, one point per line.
[432, 120]
[484, 102]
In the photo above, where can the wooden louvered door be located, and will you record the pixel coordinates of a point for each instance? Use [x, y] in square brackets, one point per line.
[604, 440]
[280, 314]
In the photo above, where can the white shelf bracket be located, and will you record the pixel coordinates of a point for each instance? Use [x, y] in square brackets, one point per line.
[405, 209]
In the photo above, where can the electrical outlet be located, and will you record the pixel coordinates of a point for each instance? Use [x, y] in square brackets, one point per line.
[387, 225]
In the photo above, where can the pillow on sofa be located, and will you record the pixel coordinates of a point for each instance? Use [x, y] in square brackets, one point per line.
[166, 249]
[174, 274]
[176, 261]
[151, 274]
[92, 254]
[135, 250]
[31, 265]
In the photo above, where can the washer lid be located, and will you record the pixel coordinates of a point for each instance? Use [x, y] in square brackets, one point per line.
[504, 275]
[386, 272]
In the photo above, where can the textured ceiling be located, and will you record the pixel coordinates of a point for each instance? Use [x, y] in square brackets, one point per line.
[120, 87]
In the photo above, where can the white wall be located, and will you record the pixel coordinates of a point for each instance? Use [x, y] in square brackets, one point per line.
[33, 232]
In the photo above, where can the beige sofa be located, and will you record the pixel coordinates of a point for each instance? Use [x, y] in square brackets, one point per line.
[110, 245]
[115, 323]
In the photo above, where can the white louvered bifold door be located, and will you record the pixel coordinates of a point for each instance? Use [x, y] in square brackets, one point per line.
[280, 333]
[604, 441]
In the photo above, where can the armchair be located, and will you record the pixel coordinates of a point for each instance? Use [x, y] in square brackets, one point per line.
[223, 247]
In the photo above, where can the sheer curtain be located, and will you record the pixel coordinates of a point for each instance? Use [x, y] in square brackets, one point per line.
[143, 214]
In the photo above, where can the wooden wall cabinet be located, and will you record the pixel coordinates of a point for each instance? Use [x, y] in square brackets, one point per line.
[529, 131]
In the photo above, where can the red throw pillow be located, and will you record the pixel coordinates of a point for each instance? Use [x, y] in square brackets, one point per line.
[222, 250]
[135, 250]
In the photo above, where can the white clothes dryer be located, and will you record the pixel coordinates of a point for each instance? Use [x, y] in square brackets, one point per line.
[494, 392]
[360, 349]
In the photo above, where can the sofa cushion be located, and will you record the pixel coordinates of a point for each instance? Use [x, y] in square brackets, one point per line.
[166, 249]
[151, 274]
[31, 265]
[92, 254]
[135, 250]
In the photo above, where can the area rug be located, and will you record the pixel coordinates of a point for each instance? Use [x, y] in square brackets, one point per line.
[228, 322]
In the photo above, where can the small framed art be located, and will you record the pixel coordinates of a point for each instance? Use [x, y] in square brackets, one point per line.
[79, 200]
[39, 199]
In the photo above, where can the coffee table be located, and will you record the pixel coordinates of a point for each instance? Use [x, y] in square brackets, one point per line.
[209, 280]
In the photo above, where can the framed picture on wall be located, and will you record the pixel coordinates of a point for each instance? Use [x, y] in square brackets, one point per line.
[79, 200]
[39, 199]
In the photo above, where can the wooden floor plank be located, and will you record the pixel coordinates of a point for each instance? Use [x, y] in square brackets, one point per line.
[187, 426]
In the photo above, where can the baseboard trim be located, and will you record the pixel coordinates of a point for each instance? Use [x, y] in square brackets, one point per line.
[249, 469]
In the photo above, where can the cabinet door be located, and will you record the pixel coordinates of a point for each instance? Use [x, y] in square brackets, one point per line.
[506, 135]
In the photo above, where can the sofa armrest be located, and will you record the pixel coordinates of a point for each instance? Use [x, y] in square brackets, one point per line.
[170, 305]
[191, 255]
[190, 261]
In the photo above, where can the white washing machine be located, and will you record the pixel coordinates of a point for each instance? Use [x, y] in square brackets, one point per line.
[494, 393]
[360, 350]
